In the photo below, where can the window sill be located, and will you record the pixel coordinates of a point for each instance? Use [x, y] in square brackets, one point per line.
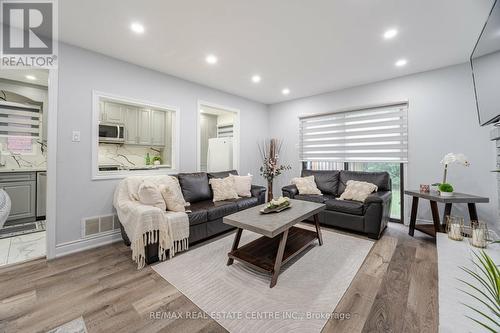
[120, 174]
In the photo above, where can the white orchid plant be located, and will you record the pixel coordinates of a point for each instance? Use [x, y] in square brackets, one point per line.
[452, 158]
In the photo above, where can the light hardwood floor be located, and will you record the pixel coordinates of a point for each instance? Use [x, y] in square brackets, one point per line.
[394, 291]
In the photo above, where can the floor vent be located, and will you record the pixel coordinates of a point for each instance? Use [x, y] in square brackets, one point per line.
[105, 224]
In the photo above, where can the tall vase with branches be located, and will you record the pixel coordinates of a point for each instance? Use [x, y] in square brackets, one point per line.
[270, 169]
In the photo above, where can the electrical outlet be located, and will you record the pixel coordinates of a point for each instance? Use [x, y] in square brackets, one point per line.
[75, 136]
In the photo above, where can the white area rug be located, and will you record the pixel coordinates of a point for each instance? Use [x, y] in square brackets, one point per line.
[239, 298]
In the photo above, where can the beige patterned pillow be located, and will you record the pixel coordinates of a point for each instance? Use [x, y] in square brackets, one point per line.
[242, 185]
[172, 194]
[150, 195]
[358, 191]
[306, 185]
[223, 189]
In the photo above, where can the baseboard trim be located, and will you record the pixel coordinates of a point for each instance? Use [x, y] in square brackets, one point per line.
[64, 249]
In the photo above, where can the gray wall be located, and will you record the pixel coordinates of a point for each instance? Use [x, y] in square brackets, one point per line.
[442, 118]
[80, 71]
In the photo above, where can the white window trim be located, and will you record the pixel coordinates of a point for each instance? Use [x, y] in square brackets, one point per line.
[236, 133]
[96, 174]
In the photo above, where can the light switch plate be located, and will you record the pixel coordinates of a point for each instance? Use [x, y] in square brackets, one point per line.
[75, 136]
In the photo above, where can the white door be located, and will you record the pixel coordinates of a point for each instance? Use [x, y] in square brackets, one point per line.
[131, 125]
[158, 128]
[113, 112]
[144, 128]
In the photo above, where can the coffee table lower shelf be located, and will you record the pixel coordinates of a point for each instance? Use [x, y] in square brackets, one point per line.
[260, 254]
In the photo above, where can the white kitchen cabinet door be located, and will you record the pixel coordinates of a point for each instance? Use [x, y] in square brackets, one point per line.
[144, 127]
[158, 128]
[113, 113]
[131, 125]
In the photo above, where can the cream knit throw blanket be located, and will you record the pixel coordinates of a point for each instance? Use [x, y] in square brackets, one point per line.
[141, 221]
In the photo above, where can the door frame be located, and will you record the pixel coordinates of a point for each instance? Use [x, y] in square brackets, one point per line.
[51, 207]
[236, 128]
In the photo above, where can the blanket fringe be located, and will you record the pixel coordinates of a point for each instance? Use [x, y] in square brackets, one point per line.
[164, 245]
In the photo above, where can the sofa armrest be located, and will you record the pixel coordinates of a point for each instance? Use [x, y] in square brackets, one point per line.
[377, 213]
[379, 197]
[290, 191]
[259, 192]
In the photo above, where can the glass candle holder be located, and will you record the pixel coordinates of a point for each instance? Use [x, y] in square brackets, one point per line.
[455, 227]
[479, 234]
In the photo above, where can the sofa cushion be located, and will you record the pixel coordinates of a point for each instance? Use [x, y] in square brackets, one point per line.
[215, 210]
[223, 189]
[306, 185]
[381, 179]
[244, 203]
[345, 206]
[195, 186]
[197, 215]
[314, 198]
[326, 181]
[358, 191]
[221, 209]
[222, 174]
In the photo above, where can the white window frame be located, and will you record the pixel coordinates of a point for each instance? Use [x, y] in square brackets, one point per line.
[100, 175]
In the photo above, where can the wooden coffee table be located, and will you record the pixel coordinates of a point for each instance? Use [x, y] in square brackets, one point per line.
[280, 241]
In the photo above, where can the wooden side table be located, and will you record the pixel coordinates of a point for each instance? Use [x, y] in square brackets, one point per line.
[434, 198]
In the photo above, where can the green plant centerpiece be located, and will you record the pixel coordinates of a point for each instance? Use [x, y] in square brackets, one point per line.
[281, 202]
[485, 288]
[276, 205]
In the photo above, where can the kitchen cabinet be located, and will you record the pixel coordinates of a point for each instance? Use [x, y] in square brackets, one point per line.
[131, 125]
[158, 128]
[144, 127]
[113, 113]
[21, 188]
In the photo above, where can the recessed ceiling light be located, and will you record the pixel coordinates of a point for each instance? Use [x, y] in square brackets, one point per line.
[285, 91]
[30, 77]
[391, 33]
[256, 79]
[211, 59]
[401, 62]
[137, 28]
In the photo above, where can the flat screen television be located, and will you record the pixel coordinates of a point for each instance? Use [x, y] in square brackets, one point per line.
[485, 63]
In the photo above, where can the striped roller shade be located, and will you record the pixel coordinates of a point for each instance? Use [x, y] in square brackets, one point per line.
[19, 120]
[374, 134]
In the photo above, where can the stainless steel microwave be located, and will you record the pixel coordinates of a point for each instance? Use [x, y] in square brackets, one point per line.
[111, 133]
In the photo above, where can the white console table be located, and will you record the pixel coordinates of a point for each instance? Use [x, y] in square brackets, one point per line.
[452, 255]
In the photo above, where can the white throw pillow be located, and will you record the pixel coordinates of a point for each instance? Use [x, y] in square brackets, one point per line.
[242, 185]
[172, 194]
[223, 189]
[149, 194]
[306, 185]
[358, 191]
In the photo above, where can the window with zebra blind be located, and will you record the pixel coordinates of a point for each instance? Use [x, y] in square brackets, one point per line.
[367, 139]
[375, 134]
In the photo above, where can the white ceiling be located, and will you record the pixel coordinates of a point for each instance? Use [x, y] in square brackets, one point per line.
[309, 46]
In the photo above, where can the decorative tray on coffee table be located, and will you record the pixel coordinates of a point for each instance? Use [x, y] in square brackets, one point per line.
[278, 209]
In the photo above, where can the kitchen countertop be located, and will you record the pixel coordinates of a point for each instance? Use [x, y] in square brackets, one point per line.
[4, 169]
